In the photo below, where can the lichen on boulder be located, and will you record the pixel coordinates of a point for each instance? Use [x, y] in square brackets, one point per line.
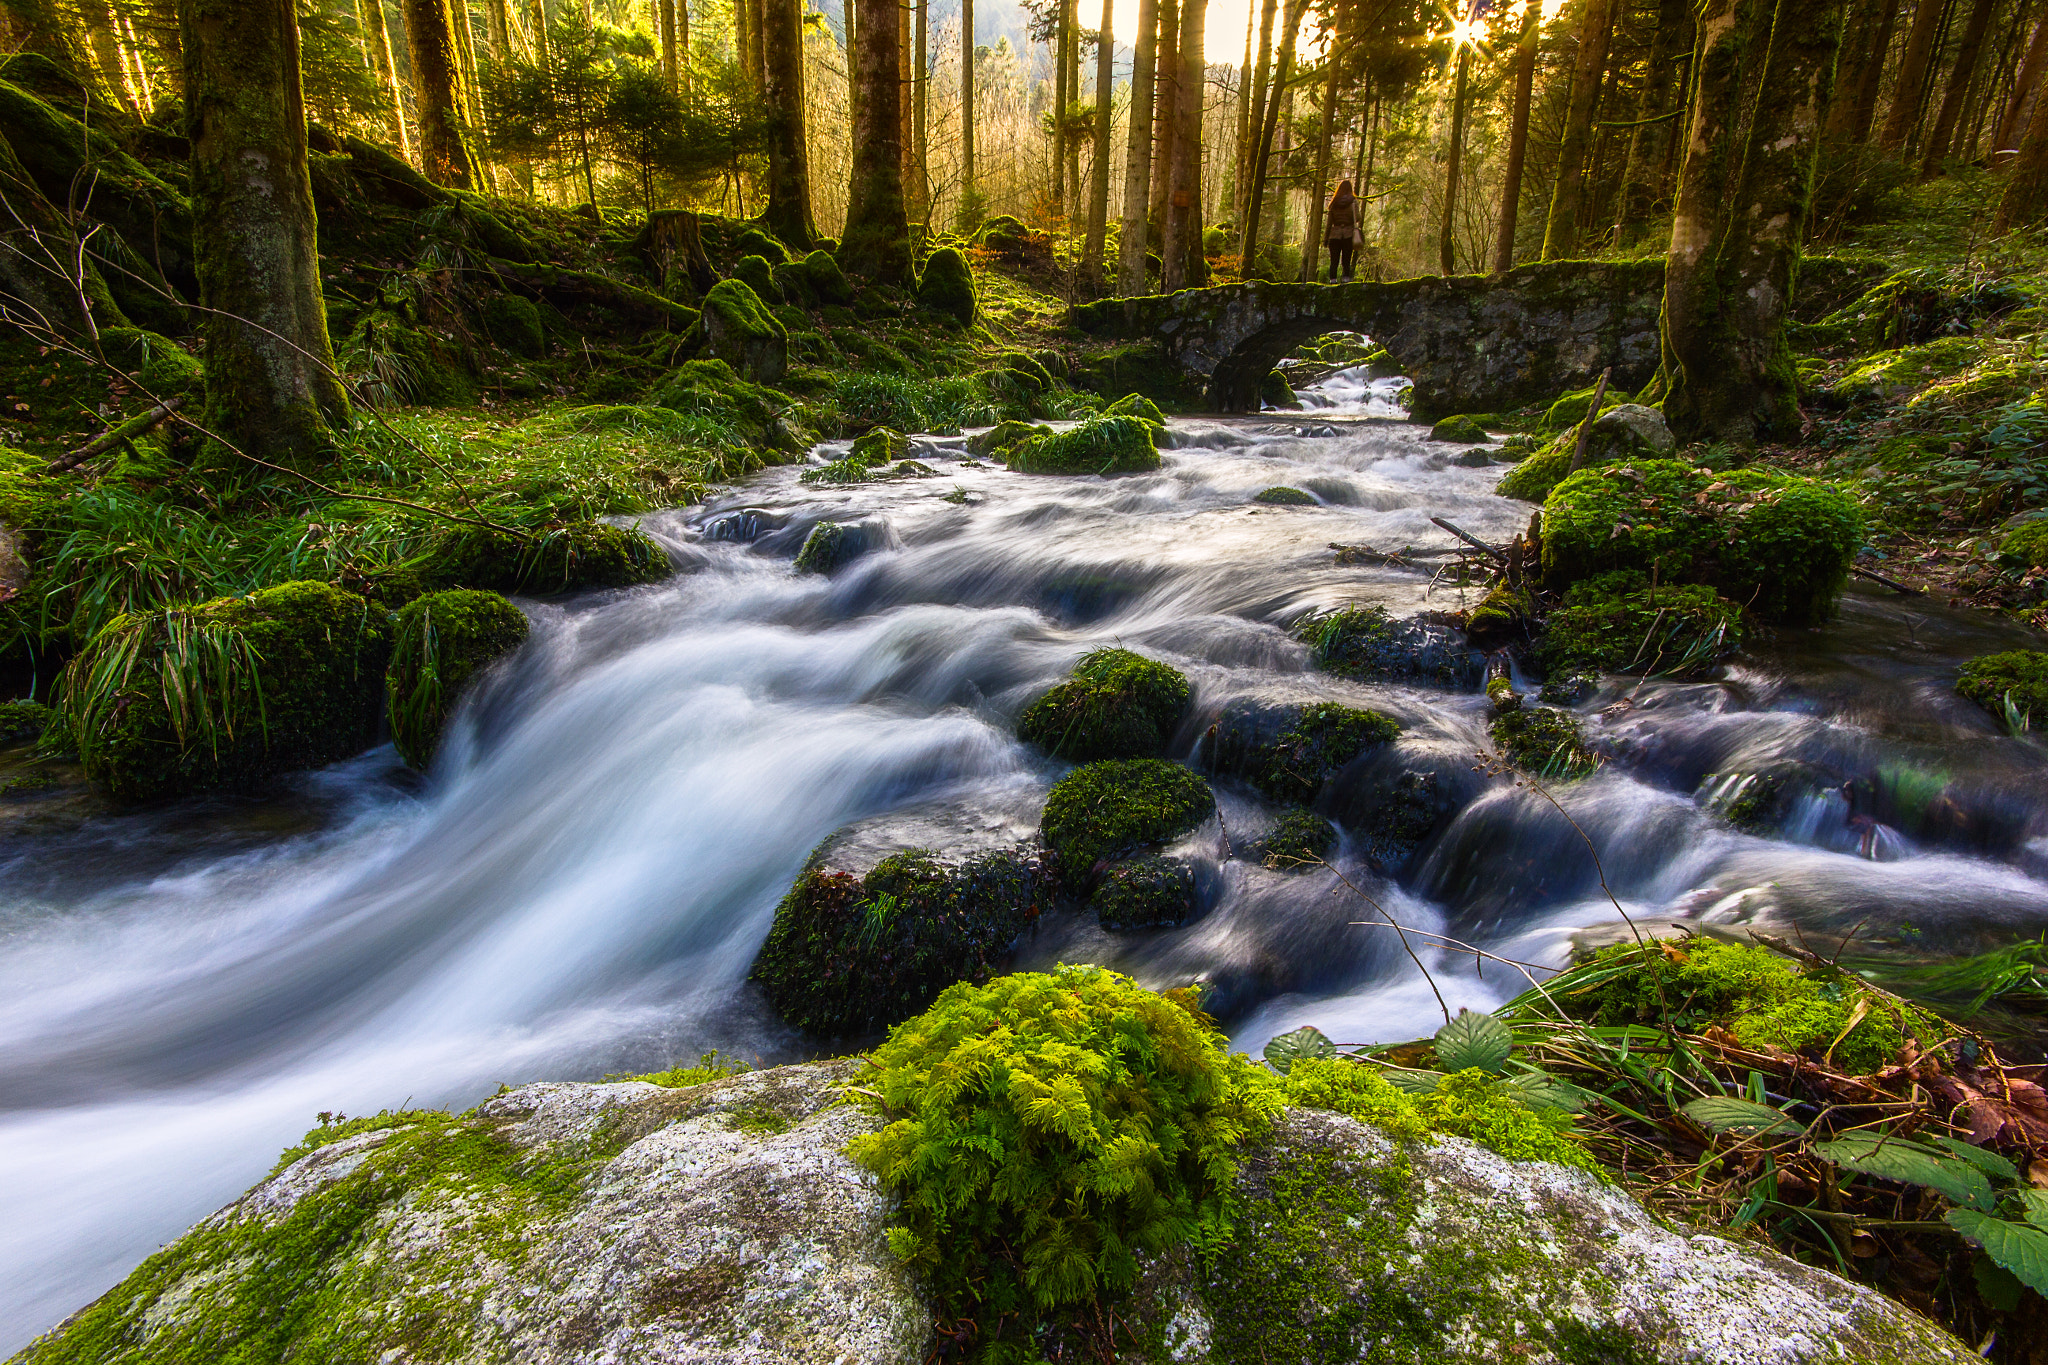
[738, 329]
[947, 286]
[228, 692]
[439, 643]
[1115, 704]
[1108, 811]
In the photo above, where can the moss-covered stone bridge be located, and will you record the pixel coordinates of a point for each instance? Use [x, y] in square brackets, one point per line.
[1471, 343]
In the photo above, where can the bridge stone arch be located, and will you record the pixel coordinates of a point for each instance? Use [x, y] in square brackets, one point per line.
[1471, 343]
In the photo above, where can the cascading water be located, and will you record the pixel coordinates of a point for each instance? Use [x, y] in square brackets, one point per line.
[581, 884]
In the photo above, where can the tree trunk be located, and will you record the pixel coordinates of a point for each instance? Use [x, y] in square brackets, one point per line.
[2025, 86]
[1165, 123]
[106, 51]
[1911, 86]
[903, 112]
[967, 190]
[1959, 78]
[2026, 193]
[1646, 143]
[1311, 242]
[1262, 149]
[430, 40]
[1061, 98]
[1138, 153]
[1742, 198]
[498, 29]
[537, 13]
[467, 88]
[1860, 80]
[683, 47]
[1240, 181]
[371, 16]
[921, 188]
[667, 20]
[1518, 139]
[1074, 94]
[1181, 249]
[1254, 125]
[1098, 173]
[876, 243]
[271, 388]
[788, 215]
[1561, 228]
[1447, 242]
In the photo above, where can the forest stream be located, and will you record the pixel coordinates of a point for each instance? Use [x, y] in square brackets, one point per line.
[581, 883]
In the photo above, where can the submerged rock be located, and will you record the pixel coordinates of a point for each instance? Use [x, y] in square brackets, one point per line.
[724, 1222]
[1289, 750]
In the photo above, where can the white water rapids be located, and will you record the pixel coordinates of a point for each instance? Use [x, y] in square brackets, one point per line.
[580, 885]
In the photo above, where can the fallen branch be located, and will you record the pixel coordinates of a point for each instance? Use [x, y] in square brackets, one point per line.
[116, 434]
[1891, 583]
[1474, 541]
[1586, 425]
[1402, 558]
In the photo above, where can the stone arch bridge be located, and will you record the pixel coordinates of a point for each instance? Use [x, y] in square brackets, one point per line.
[1471, 343]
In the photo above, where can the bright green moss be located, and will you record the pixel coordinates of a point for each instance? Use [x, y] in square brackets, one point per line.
[1116, 704]
[1047, 1130]
[757, 274]
[1282, 496]
[738, 329]
[1616, 623]
[515, 323]
[1366, 643]
[1777, 544]
[1144, 893]
[1347, 1087]
[1569, 409]
[1139, 406]
[1322, 739]
[827, 280]
[573, 558]
[1301, 840]
[440, 642]
[1485, 1109]
[947, 286]
[831, 545]
[1110, 810]
[869, 461]
[1536, 474]
[2029, 543]
[757, 242]
[850, 954]
[228, 692]
[1097, 445]
[997, 442]
[1501, 615]
[1461, 430]
[2017, 679]
[1542, 741]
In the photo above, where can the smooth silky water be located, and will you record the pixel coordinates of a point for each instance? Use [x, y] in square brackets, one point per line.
[580, 885]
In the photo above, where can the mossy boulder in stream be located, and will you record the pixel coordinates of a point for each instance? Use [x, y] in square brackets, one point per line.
[1282, 496]
[439, 643]
[1618, 623]
[1628, 431]
[1144, 893]
[1544, 742]
[1289, 750]
[997, 442]
[2011, 686]
[859, 945]
[738, 329]
[1777, 544]
[573, 558]
[1366, 643]
[1108, 811]
[1115, 704]
[1097, 445]
[1299, 840]
[228, 692]
[1460, 430]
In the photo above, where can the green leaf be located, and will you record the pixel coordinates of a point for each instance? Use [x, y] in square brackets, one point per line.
[1303, 1044]
[1898, 1159]
[1991, 1163]
[1727, 1114]
[1414, 1082]
[1999, 1286]
[2037, 1207]
[1548, 1092]
[2014, 1246]
[1474, 1040]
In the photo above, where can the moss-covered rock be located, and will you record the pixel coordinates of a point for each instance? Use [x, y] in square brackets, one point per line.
[1777, 543]
[1503, 615]
[1626, 431]
[1542, 741]
[1138, 405]
[23, 720]
[439, 643]
[1569, 409]
[831, 545]
[1288, 751]
[1366, 643]
[947, 286]
[228, 692]
[758, 242]
[1097, 445]
[827, 280]
[1300, 840]
[1108, 811]
[1462, 429]
[1115, 704]
[2029, 543]
[1616, 623]
[855, 951]
[757, 274]
[1000, 439]
[869, 461]
[1144, 893]
[738, 329]
[574, 558]
[1276, 392]
[1536, 474]
[515, 324]
[2012, 685]
[1280, 495]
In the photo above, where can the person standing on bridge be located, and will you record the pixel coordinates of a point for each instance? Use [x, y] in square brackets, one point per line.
[1343, 234]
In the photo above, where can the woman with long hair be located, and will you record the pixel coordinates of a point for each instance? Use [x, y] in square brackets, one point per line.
[1342, 234]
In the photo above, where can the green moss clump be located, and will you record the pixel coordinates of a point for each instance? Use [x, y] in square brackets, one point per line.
[1282, 496]
[1321, 741]
[1461, 429]
[1048, 1130]
[1301, 840]
[1616, 623]
[758, 275]
[1004, 436]
[831, 545]
[2017, 679]
[163, 368]
[947, 286]
[1098, 445]
[756, 242]
[1544, 742]
[1569, 409]
[738, 329]
[2029, 544]
[827, 280]
[439, 642]
[1138, 405]
[1366, 643]
[1348, 1087]
[1485, 1109]
[21, 721]
[1108, 811]
[1116, 704]
[1764, 1000]
[1144, 893]
[514, 323]
[1501, 615]
[1535, 475]
[573, 558]
[1276, 392]
[870, 461]
[1778, 544]
[851, 954]
[228, 692]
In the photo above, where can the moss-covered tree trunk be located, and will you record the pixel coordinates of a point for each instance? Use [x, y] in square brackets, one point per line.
[920, 178]
[1909, 87]
[271, 387]
[436, 86]
[1181, 250]
[789, 171]
[876, 242]
[1561, 228]
[1165, 101]
[1518, 140]
[1447, 235]
[1763, 69]
[1138, 152]
[1642, 174]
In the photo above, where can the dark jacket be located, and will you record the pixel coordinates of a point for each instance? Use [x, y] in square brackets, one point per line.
[1343, 218]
